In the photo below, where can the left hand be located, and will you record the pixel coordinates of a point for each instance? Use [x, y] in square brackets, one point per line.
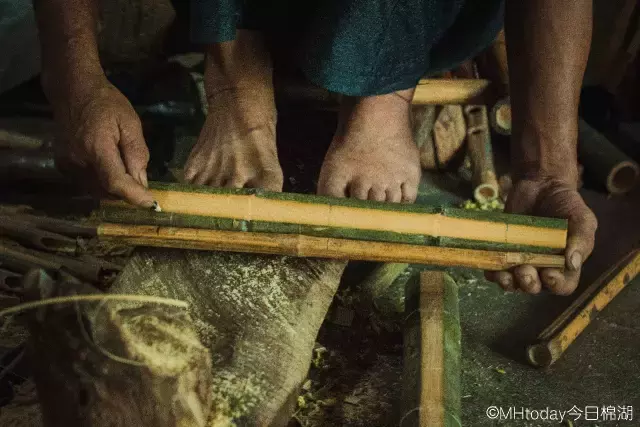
[550, 197]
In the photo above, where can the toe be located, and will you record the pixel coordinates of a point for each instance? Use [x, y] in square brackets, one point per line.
[409, 192]
[394, 194]
[334, 186]
[378, 194]
[359, 190]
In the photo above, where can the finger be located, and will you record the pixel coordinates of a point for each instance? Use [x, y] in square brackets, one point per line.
[558, 283]
[378, 194]
[527, 279]
[114, 178]
[394, 194]
[135, 154]
[409, 193]
[580, 238]
[359, 190]
[504, 279]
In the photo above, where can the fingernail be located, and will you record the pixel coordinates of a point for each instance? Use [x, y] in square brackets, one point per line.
[143, 179]
[576, 261]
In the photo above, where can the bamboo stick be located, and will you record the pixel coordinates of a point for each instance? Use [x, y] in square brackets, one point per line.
[21, 260]
[279, 209]
[557, 337]
[145, 217]
[431, 376]
[484, 181]
[451, 91]
[604, 162]
[27, 234]
[321, 247]
[60, 226]
[9, 280]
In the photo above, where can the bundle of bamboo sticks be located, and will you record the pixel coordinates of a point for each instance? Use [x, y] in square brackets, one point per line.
[312, 226]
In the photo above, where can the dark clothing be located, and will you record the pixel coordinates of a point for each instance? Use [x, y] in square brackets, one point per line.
[360, 47]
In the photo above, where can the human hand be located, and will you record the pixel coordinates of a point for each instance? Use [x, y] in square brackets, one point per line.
[550, 198]
[102, 136]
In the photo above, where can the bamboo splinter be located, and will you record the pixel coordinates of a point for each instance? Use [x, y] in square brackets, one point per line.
[321, 247]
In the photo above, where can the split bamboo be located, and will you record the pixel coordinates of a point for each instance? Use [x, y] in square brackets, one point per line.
[254, 210]
[321, 247]
[431, 385]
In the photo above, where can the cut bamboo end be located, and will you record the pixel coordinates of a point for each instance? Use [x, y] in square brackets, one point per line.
[543, 354]
[501, 117]
[321, 247]
[486, 192]
[623, 177]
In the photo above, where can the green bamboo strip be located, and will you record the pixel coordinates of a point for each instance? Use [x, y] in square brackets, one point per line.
[362, 204]
[120, 215]
[432, 346]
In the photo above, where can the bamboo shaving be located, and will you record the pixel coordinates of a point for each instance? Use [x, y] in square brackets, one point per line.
[115, 297]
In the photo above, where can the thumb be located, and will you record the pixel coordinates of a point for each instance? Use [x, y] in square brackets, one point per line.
[134, 151]
[580, 238]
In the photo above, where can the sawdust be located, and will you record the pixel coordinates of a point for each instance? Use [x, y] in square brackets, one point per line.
[166, 348]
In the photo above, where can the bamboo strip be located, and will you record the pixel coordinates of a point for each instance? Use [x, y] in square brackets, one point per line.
[321, 247]
[27, 234]
[451, 91]
[148, 217]
[348, 213]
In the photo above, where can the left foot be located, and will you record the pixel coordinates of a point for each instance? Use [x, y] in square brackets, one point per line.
[373, 155]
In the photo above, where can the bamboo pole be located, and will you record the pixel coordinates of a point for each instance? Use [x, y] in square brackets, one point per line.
[558, 336]
[604, 162]
[321, 247]
[483, 179]
[431, 375]
[27, 234]
[279, 210]
[451, 91]
[60, 226]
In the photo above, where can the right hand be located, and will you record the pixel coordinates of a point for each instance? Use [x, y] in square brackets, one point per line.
[103, 135]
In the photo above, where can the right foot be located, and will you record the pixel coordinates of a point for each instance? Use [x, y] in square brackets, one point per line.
[237, 144]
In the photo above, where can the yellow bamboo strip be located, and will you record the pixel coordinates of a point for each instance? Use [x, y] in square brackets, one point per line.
[451, 91]
[321, 247]
[250, 207]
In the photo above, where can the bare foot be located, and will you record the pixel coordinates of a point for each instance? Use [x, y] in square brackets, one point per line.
[373, 155]
[237, 144]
